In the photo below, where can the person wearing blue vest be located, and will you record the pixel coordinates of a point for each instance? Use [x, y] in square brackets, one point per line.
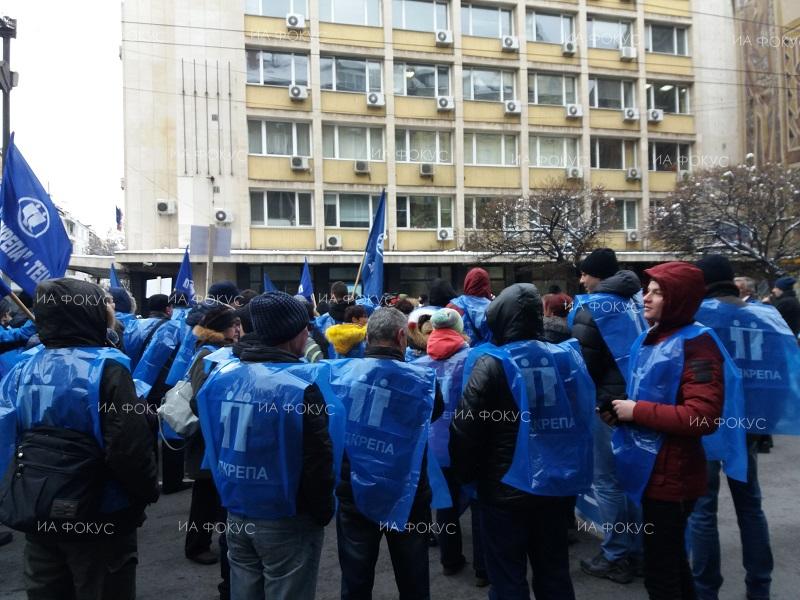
[606, 322]
[347, 339]
[271, 456]
[472, 304]
[677, 391]
[384, 487]
[522, 433]
[750, 334]
[341, 300]
[13, 341]
[84, 458]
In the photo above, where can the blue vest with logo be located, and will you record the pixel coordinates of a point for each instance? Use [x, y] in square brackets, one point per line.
[655, 375]
[389, 406]
[158, 351]
[763, 347]
[474, 317]
[183, 359]
[555, 398]
[620, 321]
[136, 333]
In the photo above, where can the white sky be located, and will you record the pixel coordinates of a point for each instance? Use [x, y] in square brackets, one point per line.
[67, 109]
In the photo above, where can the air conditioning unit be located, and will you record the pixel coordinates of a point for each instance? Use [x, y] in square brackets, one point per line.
[445, 234]
[633, 174]
[166, 207]
[298, 92]
[630, 114]
[627, 53]
[223, 216]
[632, 236]
[655, 115]
[684, 175]
[510, 43]
[333, 241]
[299, 163]
[513, 107]
[426, 170]
[569, 48]
[444, 37]
[574, 173]
[361, 166]
[445, 103]
[295, 22]
[376, 99]
[574, 111]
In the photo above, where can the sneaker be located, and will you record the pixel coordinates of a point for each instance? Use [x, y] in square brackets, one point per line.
[618, 571]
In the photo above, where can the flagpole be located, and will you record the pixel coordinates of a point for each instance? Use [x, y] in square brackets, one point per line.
[21, 306]
[366, 249]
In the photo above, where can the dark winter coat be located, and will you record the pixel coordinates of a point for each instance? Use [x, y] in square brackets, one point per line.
[789, 307]
[555, 330]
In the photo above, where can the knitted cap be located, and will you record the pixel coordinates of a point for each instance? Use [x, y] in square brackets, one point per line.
[224, 291]
[715, 267]
[219, 318]
[785, 283]
[447, 318]
[277, 317]
[601, 263]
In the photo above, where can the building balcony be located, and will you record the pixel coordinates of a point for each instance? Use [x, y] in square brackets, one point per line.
[683, 124]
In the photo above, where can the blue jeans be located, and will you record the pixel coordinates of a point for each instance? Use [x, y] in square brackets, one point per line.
[277, 559]
[614, 506]
[703, 537]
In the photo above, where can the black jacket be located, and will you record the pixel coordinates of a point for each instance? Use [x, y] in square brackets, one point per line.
[608, 380]
[421, 507]
[315, 493]
[128, 442]
[482, 449]
[555, 330]
[789, 307]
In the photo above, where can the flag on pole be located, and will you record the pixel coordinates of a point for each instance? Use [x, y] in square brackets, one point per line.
[268, 285]
[184, 283]
[34, 245]
[4, 289]
[119, 218]
[372, 268]
[113, 278]
[306, 288]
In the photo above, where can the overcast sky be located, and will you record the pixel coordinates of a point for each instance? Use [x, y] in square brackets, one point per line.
[67, 109]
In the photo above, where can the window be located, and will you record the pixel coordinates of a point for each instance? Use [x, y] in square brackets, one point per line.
[350, 210]
[280, 209]
[279, 138]
[613, 154]
[351, 12]
[549, 28]
[275, 8]
[551, 89]
[669, 97]
[424, 212]
[351, 142]
[476, 211]
[277, 68]
[667, 39]
[488, 84]
[486, 21]
[420, 15]
[609, 34]
[554, 152]
[421, 80]
[422, 146]
[611, 93]
[490, 149]
[668, 156]
[625, 214]
[350, 74]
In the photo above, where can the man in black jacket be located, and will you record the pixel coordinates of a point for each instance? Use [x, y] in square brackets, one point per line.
[785, 300]
[620, 552]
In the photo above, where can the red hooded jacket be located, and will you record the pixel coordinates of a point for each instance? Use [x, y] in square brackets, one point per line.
[679, 472]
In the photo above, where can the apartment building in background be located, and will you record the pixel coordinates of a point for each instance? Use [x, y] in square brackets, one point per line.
[283, 120]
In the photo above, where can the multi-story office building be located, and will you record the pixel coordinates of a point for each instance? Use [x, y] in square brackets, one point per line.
[284, 120]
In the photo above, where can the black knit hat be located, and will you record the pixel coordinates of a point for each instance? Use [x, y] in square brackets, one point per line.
[158, 303]
[601, 263]
[224, 291]
[219, 318]
[715, 267]
[277, 317]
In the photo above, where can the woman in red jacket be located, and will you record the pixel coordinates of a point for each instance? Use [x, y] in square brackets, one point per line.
[678, 475]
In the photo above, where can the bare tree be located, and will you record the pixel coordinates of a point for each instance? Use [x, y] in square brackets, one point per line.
[748, 212]
[101, 247]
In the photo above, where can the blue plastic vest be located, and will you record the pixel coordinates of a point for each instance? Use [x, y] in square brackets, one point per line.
[763, 347]
[134, 336]
[474, 317]
[555, 396]
[388, 405]
[163, 343]
[620, 321]
[356, 351]
[655, 375]
[183, 359]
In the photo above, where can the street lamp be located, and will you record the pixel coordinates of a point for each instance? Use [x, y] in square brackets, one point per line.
[8, 78]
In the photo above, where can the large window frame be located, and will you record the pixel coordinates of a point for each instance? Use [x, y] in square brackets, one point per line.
[599, 157]
[532, 30]
[570, 151]
[680, 39]
[627, 92]
[626, 214]
[259, 56]
[681, 103]
[404, 73]
[505, 20]
[408, 154]
[305, 214]
[473, 207]
[624, 35]
[332, 207]
[441, 16]
[373, 154]
[371, 12]
[406, 208]
[297, 128]
[471, 75]
[471, 153]
[373, 74]
[682, 153]
[567, 81]
[257, 7]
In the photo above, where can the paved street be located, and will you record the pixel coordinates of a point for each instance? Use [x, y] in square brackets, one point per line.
[165, 573]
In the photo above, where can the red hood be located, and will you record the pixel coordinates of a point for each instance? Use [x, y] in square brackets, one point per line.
[683, 287]
[443, 343]
[477, 283]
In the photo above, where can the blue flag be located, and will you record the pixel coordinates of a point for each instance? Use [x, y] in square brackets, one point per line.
[113, 278]
[372, 268]
[185, 284]
[4, 289]
[306, 288]
[33, 243]
[268, 285]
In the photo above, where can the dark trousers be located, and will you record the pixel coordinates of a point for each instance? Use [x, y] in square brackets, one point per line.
[667, 575]
[102, 569]
[359, 542]
[512, 538]
[204, 514]
[450, 540]
[171, 466]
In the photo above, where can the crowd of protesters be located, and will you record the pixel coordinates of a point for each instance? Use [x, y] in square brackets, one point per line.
[393, 420]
